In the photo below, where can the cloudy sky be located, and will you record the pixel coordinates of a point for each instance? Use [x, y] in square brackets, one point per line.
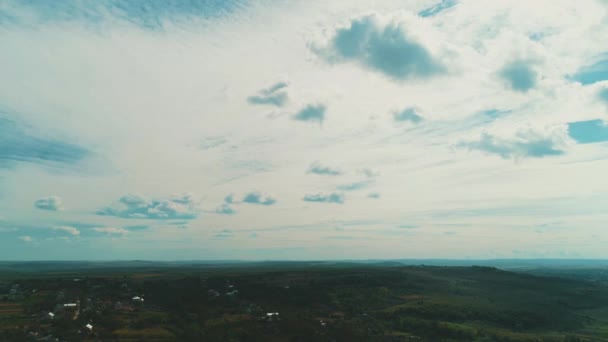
[309, 129]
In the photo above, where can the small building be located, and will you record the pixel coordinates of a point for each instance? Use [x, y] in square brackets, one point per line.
[70, 305]
[272, 316]
[51, 315]
[89, 327]
[137, 299]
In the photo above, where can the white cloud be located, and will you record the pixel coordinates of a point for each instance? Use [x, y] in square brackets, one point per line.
[111, 230]
[173, 115]
[67, 229]
[25, 238]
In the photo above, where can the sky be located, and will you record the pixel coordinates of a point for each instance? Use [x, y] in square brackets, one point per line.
[303, 130]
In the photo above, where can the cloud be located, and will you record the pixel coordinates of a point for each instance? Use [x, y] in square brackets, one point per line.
[25, 238]
[111, 230]
[272, 96]
[137, 207]
[67, 229]
[438, 8]
[148, 14]
[224, 234]
[525, 144]
[354, 186]
[588, 132]
[52, 203]
[312, 112]
[19, 146]
[8, 229]
[381, 47]
[257, 198]
[325, 198]
[368, 173]
[225, 209]
[373, 195]
[593, 73]
[519, 75]
[319, 169]
[410, 114]
[212, 142]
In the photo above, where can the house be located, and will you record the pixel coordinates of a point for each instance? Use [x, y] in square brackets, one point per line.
[51, 315]
[272, 316]
[89, 327]
[137, 299]
[70, 305]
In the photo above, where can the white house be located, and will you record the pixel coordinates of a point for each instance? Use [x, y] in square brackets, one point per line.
[89, 326]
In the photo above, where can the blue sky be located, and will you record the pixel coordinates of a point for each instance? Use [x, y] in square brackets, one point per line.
[179, 129]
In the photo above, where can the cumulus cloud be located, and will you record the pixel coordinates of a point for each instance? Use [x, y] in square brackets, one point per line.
[52, 203]
[410, 114]
[384, 47]
[67, 229]
[519, 75]
[133, 206]
[275, 95]
[19, 146]
[524, 144]
[312, 112]
[333, 197]
[111, 230]
[258, 198]
[319, 169]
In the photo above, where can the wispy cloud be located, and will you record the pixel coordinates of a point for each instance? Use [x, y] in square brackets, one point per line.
[318, 169]
[52, 203]
[438, 8]
[147, 14]
[275, 95]
[133, 207]
[354, 186]
[224, 234]
[381, 46]
[333, 197]
[526, 144]
[19, 146]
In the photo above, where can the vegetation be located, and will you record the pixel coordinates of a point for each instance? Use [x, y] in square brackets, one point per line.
[314, 302]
